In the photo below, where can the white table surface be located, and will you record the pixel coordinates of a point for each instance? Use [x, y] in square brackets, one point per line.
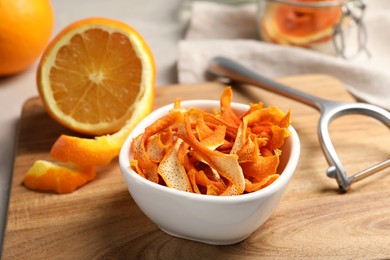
[157, 21]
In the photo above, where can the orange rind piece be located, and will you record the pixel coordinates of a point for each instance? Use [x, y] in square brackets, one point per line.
[159, 144]
[277, 138]
[225, 164]
[139, 150]
[143, 160]
[215, 139]
[172, 170]
[84, 151]
[227, 114]
[57, 177]
[252, 187]
[262, 167]
[212, 187]
[96, 151]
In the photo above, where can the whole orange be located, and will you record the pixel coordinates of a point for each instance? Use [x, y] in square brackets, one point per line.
[25, 30]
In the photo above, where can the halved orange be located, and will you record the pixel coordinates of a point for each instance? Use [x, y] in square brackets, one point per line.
[96, 75]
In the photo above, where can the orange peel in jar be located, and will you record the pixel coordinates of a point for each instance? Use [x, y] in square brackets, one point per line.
[221, 153]
[290, 24]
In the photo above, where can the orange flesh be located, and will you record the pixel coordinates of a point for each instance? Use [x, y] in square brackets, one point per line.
[99, 80]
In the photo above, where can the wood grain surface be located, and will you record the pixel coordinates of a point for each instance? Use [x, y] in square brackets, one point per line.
[313, 220]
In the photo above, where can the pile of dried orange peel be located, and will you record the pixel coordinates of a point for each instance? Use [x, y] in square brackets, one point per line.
[218, 153]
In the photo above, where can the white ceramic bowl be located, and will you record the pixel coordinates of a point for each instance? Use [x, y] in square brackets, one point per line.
[218, 220]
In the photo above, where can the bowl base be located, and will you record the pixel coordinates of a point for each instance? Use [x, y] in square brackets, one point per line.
[208, 241]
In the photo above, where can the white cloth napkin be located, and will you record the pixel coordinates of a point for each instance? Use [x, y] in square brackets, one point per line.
[230, 30]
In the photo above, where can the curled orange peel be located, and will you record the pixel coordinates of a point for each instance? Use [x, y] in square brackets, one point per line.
[225, 164]
[216, 139]
[58, 177]
[144, 162]
[252, 187]
[227, 114]
[158, 145]
[96, 151]
[83, 151]
[172, 170]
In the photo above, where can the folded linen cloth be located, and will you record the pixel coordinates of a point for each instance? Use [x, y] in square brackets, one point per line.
[224, 30]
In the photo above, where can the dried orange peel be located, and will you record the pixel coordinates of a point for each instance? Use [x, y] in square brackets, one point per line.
[58, 177]
[303, 26]
[221, 153]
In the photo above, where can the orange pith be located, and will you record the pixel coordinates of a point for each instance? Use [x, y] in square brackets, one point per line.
[93, 75]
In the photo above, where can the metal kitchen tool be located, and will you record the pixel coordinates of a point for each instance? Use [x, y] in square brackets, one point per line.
[226, 68]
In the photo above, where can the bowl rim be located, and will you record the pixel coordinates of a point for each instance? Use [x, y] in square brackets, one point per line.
[124, 159]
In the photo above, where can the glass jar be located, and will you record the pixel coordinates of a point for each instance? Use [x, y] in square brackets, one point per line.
[330, 26]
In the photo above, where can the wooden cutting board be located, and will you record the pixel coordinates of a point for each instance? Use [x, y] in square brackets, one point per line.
[101, 220]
